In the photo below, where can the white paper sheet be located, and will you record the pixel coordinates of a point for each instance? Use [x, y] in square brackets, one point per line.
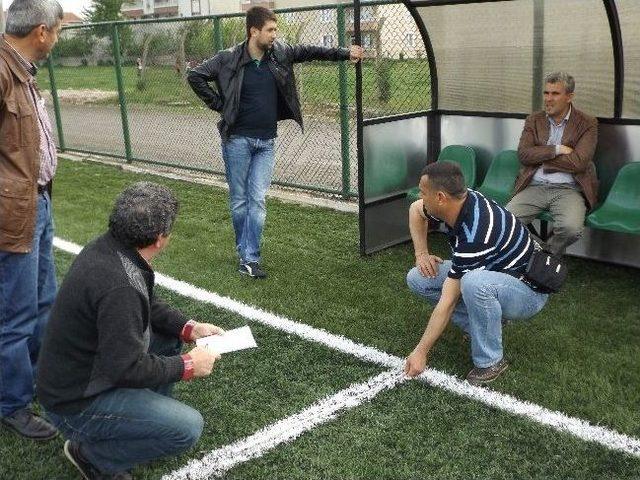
[232, 340]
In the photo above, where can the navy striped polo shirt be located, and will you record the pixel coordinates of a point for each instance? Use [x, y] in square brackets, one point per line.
[488, 237]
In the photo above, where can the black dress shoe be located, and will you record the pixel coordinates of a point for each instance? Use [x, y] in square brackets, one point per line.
[30, 425]
[72, 452]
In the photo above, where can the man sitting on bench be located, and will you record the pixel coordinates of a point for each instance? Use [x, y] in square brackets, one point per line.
[557, 174]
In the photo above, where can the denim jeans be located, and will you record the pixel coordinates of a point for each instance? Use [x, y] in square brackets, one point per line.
[126, 427]
[487, 298]
[248, 165]
[27, 291]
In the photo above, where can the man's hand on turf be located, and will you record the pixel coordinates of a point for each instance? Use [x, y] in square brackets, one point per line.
[416, 362]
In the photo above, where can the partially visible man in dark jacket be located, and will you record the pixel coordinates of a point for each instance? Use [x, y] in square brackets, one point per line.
[112, 349]
[255, 87]
[27, 166]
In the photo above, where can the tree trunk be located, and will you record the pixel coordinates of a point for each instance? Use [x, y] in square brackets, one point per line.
[181, 56]
[145, 54]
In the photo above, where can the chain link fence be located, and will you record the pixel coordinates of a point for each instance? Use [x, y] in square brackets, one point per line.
[119, 89]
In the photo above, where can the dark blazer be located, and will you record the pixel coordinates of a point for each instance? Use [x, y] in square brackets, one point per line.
[580, 133]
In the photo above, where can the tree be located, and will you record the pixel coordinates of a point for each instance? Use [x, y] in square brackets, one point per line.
[108, 11]
[103, 11]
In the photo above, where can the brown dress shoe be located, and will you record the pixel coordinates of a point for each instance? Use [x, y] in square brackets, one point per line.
[30, 425]
[480, 376]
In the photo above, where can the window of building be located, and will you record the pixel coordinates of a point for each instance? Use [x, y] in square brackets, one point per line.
[195, 7]
[410, 40]
[367, 40]
[367, 14]
[326, 15]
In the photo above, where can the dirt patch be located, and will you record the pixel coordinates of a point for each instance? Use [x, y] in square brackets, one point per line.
[81, 97]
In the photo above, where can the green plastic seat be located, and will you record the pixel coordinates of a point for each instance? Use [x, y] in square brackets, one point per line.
[464, 156]
[620, 212]
[501, 177]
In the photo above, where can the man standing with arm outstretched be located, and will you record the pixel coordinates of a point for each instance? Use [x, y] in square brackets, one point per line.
[255, 88]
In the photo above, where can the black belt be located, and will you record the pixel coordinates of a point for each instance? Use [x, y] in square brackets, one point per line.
[43, 188]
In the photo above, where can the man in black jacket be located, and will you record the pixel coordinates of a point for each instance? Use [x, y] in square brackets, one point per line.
[112, 349]
[255, 87]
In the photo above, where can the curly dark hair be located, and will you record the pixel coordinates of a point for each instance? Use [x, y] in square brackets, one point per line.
[143, 212]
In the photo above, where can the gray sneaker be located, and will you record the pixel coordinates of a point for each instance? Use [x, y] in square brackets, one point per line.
[480, 376]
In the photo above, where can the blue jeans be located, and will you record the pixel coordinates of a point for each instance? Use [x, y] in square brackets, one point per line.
[487, 298]
[248, 165]
[27, 291]
[126, 427]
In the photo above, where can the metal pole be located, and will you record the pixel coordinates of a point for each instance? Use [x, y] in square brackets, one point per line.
[217, 35]
[344, 109]
[618, 56]
[359, 132]
[121, 95]
[56, 102]
[538, 55]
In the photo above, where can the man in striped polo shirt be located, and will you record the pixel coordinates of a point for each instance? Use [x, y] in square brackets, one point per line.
[482, 283]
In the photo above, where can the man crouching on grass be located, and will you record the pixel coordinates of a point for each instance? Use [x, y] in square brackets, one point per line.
[482, 283]
[111, 352]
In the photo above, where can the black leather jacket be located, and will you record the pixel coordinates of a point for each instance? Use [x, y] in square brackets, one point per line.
[226, 70]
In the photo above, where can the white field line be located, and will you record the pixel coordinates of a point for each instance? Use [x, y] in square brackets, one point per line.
[217, 462]
[556, 420]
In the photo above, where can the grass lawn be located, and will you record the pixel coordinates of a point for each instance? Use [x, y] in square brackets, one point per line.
[579, 355]
[318, 83]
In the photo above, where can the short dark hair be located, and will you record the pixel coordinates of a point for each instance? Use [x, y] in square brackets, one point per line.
[447, 177]
[141, 213]
[257, 17]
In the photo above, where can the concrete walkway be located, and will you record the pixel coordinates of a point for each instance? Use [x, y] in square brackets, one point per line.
[191, 139]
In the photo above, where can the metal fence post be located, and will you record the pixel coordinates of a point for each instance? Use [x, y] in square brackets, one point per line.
[121, 95]
[56, 102]
[344, 108]
[217, 35]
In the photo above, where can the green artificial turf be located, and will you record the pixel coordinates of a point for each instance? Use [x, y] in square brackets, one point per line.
[578, 356]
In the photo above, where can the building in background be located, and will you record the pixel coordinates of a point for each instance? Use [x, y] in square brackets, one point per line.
[70, 18]
[166, 8]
